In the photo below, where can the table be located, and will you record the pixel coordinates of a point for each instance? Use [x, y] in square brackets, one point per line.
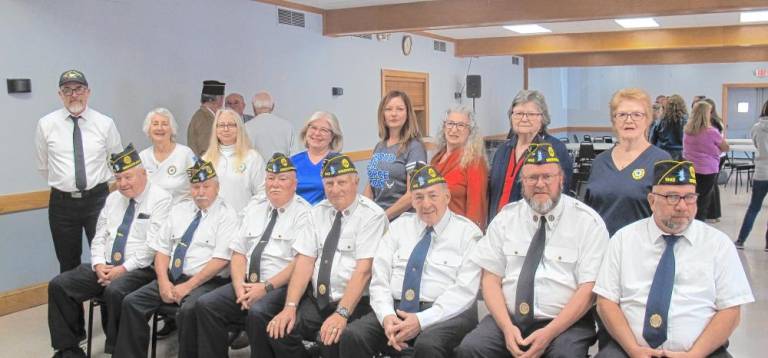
[738, 141]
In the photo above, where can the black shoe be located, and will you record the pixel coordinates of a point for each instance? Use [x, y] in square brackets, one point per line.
[169, 326]
[70, 353]
[238, 340]
[739, 245]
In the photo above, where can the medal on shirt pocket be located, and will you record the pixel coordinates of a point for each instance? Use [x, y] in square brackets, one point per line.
[638, 173]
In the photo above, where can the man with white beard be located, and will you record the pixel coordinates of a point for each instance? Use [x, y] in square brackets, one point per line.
[540, 258]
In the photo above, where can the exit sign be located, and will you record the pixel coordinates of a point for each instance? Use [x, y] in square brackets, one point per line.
[761, 72]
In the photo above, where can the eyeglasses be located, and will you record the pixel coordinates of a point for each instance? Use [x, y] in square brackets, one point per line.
[529, 115]
[534, 179]
[68, 91]
[622, 116]
[459, 125]
[226, 125]
[323, 131]
[673, 199]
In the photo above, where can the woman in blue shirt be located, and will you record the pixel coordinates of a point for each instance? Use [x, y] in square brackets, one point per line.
[322, 136]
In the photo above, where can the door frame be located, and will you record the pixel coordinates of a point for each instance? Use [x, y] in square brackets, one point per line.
[726, 88]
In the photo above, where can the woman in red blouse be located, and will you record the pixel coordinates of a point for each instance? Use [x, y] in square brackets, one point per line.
[461, 160]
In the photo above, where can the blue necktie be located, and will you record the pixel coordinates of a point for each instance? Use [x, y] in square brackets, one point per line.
[177, 264]
[657, 306]
[118, 247]
[77, 143]
[409, 299]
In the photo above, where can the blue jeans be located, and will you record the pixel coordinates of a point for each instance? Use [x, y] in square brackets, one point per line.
[759, 190]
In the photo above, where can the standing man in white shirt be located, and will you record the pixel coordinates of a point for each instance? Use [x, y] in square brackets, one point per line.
[262, 263]
[268, 132]
[120, 256]
[670, 285]
[191, 260]
[540, 258]
[424, 287]
[73, 145]
[201, 124]
[335, 253]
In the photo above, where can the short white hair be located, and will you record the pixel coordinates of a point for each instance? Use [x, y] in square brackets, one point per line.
[163, 112]
[263, 100]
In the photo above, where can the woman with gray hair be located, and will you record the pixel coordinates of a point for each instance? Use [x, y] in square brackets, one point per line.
[529, 117]
[322, 136]
[461, 161]
[166, 161]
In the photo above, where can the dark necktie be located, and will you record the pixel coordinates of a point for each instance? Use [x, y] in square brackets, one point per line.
[326, 261]
[657, 306]
[177, 265]
[524, 295]
[409, 299]
[118, 247]
[254, 269]
[77, 141]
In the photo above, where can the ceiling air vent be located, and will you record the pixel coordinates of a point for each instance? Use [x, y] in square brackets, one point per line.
[364, 36]
[288, 17]
[439, 46]
[515, 60]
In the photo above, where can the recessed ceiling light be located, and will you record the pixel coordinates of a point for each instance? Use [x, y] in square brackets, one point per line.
[637, 23]
[527, 29]
[754, 16]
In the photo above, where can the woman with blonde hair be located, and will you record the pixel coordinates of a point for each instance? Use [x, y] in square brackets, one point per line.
[395, 155]
[461, 160]
[322, 136]
[239, 167]
[702, 145]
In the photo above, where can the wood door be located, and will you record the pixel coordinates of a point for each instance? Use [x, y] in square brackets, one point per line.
[416, 86]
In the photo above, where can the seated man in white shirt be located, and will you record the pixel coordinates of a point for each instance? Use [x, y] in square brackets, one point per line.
[540, 258]
[120, 257]
[192, 255]
[262, 263]
[670, 285]
[424, 287]
[335, 252]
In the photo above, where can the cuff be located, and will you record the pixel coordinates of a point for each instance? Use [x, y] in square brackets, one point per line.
[130, 264]
[428, 317]
[97, 260]
[606, 294]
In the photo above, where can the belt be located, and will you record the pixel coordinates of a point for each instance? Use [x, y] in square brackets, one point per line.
[98, 189]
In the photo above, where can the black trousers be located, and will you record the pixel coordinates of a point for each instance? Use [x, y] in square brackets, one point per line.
[613, 350]
[217, 311]
[705, 183]
[68, 217]
[487, 340]
[365, 337]
[309, 319]
[68, 291]
[138, 307]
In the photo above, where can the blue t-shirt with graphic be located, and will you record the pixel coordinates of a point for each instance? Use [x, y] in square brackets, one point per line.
[387, 171]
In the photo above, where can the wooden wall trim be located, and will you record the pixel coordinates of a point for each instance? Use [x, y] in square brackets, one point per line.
[656, 57]
[293, 5]
[434, 36]
[13, 203]
[23, 298]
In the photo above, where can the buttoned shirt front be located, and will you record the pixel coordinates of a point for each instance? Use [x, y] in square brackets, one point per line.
[171, 173]
[56, 151]
[449, 279]
[217, 228]
[291, 221]
[151, 211]
[362, 226]
[576, 238]
[708, 278]
[239, 181]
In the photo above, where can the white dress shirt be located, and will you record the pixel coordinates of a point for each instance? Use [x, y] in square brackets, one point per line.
[217, 229]
[150, 212]
[708, 278]
[448, 279]
[362, 226]
[239, 182]
[171, 173]
[576, 240]
[56, 150]
[291, 220]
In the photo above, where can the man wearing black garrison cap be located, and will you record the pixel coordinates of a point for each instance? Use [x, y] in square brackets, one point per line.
[201, 124]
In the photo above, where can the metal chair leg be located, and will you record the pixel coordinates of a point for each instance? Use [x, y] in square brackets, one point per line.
[90, 329]
[154, 335]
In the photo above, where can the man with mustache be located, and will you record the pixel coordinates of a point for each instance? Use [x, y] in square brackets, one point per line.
[540, 258]
[671, 286]
[73, 145]
[192, 255]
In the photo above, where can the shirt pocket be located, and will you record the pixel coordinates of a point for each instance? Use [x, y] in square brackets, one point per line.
[694, 281]
[561, 255]
[280, 244]
[514, 252]
[447, 264]
[139, 228]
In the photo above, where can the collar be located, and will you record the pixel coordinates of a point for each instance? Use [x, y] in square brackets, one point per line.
[349, 210]
[655, 233]
[285, 207]
[439, 228]
[83, 115]
[140, 199]
[227, 150]
[210, 209]
[553, 216]
[209, 110]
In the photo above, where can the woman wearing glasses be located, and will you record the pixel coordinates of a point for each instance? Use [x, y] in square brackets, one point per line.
[322, 136]
[461, 161]
[240, 169]
[622, 176]
[529, 118]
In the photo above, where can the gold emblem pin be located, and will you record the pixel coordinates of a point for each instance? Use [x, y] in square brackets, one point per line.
[283, 161]
[655, 320]
[345, 163]
[524, 308]
[551, 151]
[321, 289]
[127, 159]
[410, 295]
[638, 174]
[254, 277]
[177, 263]
[117, 256]
[241, 168]
[431, 172]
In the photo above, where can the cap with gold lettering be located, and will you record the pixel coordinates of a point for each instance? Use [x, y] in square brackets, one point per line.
[424, 176]
[280, 163]
[201, 171]
[73, 76]
[673, 172]
[541, 153]
[127, 159]
[337, 165]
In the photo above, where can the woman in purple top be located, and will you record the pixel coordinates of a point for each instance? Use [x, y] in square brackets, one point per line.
[702, 145]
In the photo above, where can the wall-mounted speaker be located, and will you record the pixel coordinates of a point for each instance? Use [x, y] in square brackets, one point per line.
[19, 85]
[473, 86]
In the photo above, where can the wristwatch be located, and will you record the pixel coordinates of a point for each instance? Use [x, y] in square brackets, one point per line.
[268, 286]
[343, 311]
